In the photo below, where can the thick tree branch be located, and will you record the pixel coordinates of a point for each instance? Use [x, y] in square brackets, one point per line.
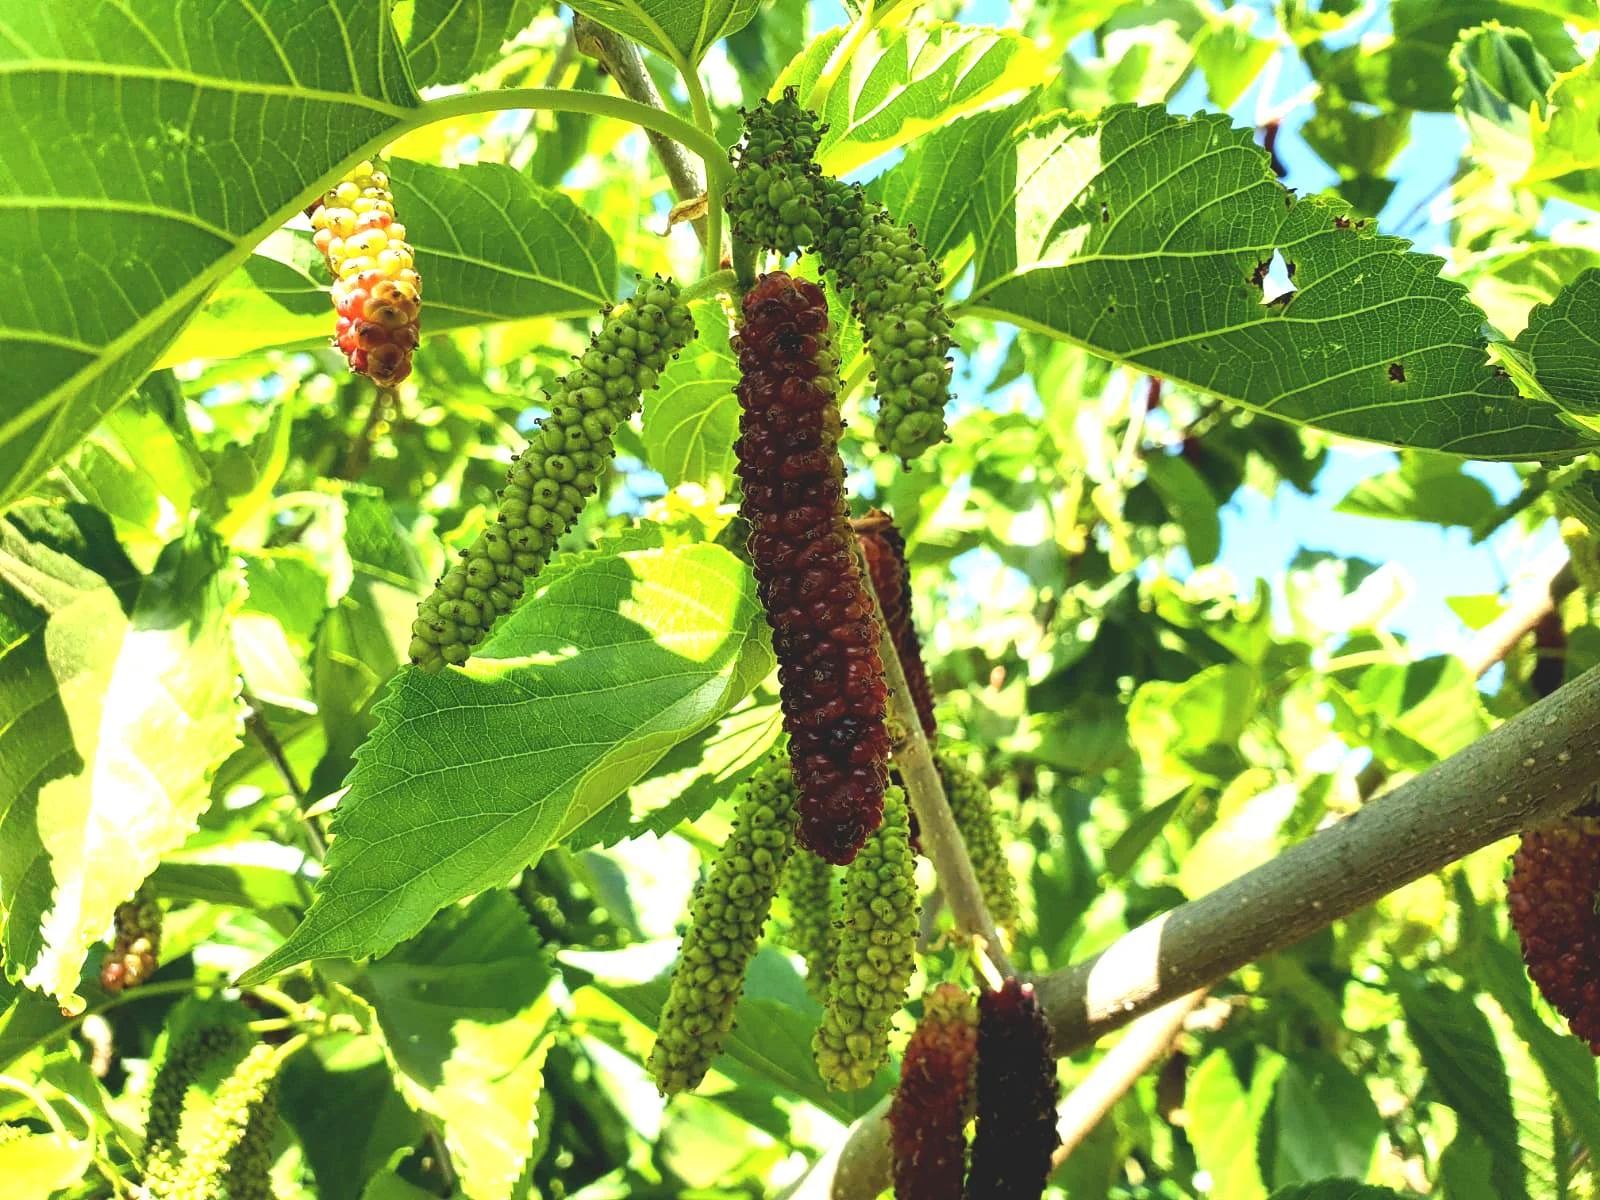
[624, 63]
[941, 839]
[1533, 769]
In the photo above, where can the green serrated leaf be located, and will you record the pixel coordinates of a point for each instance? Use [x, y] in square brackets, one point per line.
[692, 418]
[161, 129]
[466, 1009]
[1564, 1060]
[491, 246]
[1466, 1069]
[1425, 487]
[905, 81]
[110, 728]
[475, 772]
[1561, 346]
[452, 40]
[340, 1098]
[1324, 1121]
[1190, 503]
[1147, 237]
[681, 29]
[931, 188]
[1225, 1115]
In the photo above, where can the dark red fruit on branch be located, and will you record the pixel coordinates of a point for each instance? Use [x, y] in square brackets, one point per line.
[1017, 1094]
[885, 552]
[928, 1118]
[1555, 875]
[824, 630]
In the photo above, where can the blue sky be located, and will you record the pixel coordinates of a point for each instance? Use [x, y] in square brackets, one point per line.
[1261, 535]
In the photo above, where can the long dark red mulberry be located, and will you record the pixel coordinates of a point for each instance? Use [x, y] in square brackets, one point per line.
[929, 1114]
[824, 629]
[885, 552]
[1017, 1095]
[1555, 876]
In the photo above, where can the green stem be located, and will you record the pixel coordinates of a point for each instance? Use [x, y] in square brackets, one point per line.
[715, 180]
[716, 283]
[698, 141]
[147, 991]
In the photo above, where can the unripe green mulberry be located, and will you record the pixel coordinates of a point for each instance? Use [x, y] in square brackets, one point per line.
[808, 886]
[550, 481]
[136, 946]
[780, 200]
[184, 1061]
[897, 295]
[232, 1155]
[973, 810]
[931, 1107]
[774, 200]
[376, 288]
[726, 918]
[877, 938]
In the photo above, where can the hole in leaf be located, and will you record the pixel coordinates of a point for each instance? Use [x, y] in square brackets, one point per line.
[1397, 372]
[1273, 278]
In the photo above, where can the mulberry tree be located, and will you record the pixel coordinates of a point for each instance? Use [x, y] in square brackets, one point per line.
[689, 597]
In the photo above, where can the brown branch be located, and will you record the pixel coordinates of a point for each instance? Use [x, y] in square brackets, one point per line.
[623, 62]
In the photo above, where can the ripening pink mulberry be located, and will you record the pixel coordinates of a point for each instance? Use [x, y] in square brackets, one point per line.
[376, 288]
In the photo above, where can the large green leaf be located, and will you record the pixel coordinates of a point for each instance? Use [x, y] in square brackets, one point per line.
[110, 728]
[1425, 487]
[1565, 1061]
[175, 144]
[1146, 237]
[681, 29]
[1324, 1121]
[692, 418]
[450, 40]
[1467, 1070]
[903, 82]
[1561, 347]
[471, 774]
[466, 1009]
[931, 188]
[491, 246]
[1225, 1115]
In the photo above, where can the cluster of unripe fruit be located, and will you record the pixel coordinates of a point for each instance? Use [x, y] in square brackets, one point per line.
[376, 288]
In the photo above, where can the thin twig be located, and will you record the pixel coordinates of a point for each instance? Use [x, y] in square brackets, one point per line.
[255, 720]
[360, 452]
[941, 838]
[624, 63]
[1147, 1040]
